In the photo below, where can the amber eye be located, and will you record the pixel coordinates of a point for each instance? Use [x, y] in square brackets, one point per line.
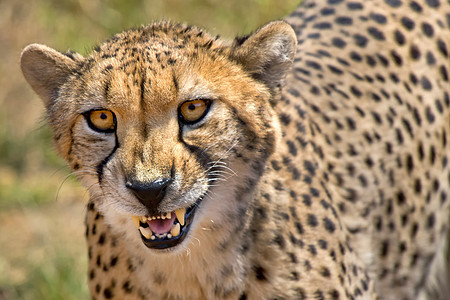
[101, 120]
[193, 111]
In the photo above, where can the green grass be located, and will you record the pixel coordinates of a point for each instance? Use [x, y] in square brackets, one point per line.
[43, 253]
[53, 279]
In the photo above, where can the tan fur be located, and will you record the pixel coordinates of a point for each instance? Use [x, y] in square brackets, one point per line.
[322, 175]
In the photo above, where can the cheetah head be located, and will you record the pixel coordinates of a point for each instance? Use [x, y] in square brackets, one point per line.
[167, 126]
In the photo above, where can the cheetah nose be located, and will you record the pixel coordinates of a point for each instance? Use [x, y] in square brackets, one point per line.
[150, 194]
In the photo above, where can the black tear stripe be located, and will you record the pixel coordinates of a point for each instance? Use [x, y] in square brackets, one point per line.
[142, 86]
[175, 82]
[103, 163]
[69, 152]
[199, 153]
[172, 170]
[106, 88]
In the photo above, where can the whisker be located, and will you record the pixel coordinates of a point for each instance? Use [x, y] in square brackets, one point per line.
[198, 240]
[66, 178]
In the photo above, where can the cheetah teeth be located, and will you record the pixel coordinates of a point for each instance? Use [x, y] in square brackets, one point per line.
[162, 216]
[180, 213]
[135, 221]
[149, 235]
[174, 231]
[146, 232]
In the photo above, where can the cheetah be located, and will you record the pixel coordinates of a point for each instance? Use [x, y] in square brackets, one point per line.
[307, 160]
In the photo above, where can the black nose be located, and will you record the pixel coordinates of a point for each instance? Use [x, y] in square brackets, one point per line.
[150, 194]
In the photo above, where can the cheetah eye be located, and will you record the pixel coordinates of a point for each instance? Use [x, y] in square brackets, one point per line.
[101, 120]
[191, 112]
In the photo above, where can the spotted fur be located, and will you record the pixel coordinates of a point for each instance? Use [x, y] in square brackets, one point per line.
[323, 175]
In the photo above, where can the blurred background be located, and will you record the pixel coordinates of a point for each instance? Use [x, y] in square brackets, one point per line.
[42, 248]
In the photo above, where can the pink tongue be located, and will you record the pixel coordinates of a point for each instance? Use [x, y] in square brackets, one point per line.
[161, 226]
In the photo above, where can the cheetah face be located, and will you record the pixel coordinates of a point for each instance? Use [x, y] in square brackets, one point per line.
[160, 179]
[157, 120]
[163, 189]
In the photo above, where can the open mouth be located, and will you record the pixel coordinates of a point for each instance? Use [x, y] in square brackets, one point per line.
[166, 230]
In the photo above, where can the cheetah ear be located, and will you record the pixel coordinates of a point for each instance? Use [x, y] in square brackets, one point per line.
[46, 69]
[268, 53]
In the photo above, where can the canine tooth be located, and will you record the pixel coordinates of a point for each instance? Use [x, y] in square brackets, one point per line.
[135, 221]
[180, 215]
[145, 232]
[175, 231]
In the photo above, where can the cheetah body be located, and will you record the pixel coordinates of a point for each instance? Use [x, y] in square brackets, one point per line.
[326, 172]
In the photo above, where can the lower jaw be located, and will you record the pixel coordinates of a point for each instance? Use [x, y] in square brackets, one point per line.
[166, 243]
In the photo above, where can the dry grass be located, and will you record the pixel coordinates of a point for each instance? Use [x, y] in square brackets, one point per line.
[41, 213]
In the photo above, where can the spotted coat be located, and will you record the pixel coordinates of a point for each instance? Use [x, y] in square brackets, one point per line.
[318, 169]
